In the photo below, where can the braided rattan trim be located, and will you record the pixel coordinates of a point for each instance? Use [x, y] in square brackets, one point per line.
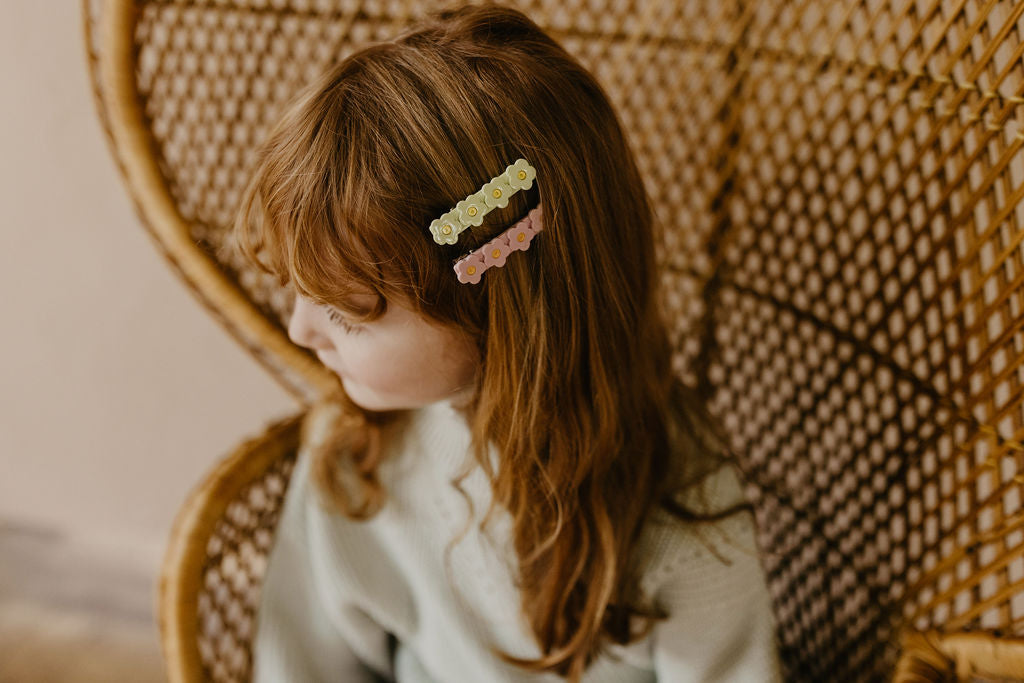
[137, 155]
[980, 657]
[186, 556]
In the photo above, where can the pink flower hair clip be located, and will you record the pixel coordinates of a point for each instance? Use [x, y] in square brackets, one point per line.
[470, 267]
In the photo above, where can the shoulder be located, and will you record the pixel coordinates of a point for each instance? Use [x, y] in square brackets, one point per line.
[316, 426]
[711, 556]
[709, 579]
[317, 423]
[718, 488]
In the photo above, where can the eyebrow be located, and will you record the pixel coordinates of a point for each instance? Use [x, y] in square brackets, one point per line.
[359, 308]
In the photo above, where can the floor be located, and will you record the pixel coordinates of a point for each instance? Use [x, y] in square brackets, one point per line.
[67, 616]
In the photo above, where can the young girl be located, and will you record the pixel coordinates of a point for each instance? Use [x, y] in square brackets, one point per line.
[513, 485]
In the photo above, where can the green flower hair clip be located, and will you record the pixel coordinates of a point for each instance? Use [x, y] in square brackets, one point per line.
[494, 194]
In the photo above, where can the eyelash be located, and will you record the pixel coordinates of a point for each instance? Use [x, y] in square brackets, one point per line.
[336, 317]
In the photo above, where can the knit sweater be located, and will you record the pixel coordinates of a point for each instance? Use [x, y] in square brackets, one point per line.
[344, 600]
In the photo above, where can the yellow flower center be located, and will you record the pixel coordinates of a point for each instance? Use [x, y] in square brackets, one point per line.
[497, 193]
[472, 211]
[520, 237]
[522, 175]
[447, 229]
[471, 270]
[496, 253]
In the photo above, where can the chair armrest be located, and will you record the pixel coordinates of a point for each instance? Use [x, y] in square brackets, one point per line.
[979, 657]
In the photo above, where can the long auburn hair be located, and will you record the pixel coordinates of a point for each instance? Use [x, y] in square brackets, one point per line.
[575, 388]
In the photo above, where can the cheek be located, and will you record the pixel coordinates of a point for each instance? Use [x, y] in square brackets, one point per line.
[382, 366]
[386, 373]
[424, 366]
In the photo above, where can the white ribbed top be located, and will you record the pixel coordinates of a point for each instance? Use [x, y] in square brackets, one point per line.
[334, 588]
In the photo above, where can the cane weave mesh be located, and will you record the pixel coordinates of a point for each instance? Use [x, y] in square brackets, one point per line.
[840, 185]
[236, 559]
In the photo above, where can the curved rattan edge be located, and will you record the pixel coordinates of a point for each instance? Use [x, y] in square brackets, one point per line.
[181, 570]
[933, 656]
[134, 147]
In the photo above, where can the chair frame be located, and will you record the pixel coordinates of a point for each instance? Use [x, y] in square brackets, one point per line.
[186, 558]
[112, 56]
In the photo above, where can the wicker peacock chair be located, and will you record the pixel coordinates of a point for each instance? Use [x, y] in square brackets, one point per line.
[842, 185]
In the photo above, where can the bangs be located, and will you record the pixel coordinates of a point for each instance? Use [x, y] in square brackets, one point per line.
[312, 214]
[348, 180]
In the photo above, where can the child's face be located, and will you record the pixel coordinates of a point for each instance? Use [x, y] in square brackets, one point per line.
[396, 362]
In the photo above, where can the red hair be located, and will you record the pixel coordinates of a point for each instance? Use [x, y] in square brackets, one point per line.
[575, 389]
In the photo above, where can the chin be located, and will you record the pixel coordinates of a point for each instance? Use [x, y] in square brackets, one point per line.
[367, 399]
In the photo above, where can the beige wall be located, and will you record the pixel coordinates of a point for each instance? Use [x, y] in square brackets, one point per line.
[118, 391]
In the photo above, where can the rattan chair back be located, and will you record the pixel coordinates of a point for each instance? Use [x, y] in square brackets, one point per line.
[841, 185]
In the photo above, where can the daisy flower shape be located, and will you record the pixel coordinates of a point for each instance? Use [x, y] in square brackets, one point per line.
[520, 235]
[446, 229]
[470, 269]
[497, 192]
[520, 174]
[536, 216]
[471, 210]
[496, 251]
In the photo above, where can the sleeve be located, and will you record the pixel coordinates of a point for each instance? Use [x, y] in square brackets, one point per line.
[721, 626]
[296, 639]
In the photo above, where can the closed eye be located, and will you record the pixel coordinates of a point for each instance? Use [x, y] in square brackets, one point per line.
[348, 327]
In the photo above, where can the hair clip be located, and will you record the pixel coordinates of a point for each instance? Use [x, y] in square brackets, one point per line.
[470, 267]
[494, 194]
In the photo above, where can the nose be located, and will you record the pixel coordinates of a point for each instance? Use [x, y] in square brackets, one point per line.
[304, 325]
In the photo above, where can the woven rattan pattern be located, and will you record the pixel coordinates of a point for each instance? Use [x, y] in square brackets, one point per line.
[232, 574]
[867, 318]
[841, 188]
[212, 75]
